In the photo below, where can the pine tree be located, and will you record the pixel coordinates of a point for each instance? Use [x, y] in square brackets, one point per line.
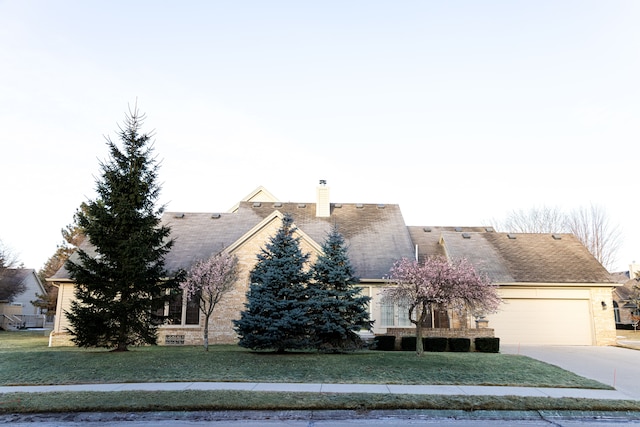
[337, 310]
[119, 288]
[275, 315]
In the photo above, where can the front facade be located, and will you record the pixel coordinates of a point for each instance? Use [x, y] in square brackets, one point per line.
[625, 297]
[377, 236]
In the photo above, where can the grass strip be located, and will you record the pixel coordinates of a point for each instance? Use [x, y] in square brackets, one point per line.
[136, 401]
[26, 360]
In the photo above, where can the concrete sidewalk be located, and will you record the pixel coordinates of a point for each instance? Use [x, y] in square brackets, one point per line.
[450, 390]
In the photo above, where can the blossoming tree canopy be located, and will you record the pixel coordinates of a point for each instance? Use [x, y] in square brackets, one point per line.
[439, 282]
[208, 281]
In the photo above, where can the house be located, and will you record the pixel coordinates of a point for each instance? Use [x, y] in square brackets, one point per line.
[534, 271]
[20, 312]
[626, 311]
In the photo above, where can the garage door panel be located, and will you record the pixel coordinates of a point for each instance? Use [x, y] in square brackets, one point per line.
[543, 321]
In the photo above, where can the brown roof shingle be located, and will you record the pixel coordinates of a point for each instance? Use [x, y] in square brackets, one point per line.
[529, 257]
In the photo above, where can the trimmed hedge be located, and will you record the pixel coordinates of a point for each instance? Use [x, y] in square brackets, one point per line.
[459, 345]
[487, 344]
[384, 342]
[435, 344]
[408, 343]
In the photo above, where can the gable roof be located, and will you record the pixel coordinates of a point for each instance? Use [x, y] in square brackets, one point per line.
[375, 234]
[376, 237]
[27, 276]
[516, 257]
[427, 238]
[260, 194]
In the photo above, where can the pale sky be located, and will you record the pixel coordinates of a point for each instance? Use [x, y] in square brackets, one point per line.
[458, 111]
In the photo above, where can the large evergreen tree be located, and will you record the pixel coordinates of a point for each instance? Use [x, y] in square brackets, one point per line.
[337, 310]
[119, 287]
[275, 315]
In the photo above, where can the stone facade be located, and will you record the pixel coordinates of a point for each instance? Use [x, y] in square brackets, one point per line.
[603, 317]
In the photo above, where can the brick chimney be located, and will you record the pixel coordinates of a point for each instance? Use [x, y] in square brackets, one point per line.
[323, 206]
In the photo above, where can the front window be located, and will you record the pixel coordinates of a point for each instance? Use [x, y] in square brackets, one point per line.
[181, 311]
[394, 315]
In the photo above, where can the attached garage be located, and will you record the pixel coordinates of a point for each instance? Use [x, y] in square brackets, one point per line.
[544, 321]
[554, 291]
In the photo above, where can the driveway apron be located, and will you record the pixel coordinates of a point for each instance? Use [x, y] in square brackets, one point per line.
[615, 366]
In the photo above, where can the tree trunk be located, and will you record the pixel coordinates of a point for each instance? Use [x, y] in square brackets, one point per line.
[122, 346]
[419, 322]
[419, 345]
[205, 334]
[122, 338]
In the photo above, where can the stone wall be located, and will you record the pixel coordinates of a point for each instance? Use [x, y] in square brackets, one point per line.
[604, 323]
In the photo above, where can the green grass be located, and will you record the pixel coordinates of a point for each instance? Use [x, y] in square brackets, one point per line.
[26, 359]
[130, 401]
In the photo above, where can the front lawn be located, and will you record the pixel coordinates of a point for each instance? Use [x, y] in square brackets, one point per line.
[26, 359]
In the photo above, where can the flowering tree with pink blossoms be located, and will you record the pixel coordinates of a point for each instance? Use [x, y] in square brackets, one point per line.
[208, 281]
[439, 282]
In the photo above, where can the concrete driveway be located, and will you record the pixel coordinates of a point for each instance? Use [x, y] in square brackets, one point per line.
[614, 366]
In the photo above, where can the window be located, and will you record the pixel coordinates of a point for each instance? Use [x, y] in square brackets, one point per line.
[180, 311]
[388, 314]
[616, 312]
[192, 311]
[394, 315]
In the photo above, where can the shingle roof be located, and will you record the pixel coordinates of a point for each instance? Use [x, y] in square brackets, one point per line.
[524, 257]
[376, 235]
[427, 238]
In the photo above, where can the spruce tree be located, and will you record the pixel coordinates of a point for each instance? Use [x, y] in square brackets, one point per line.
[337, 310]
[275, 315]
[119, 288]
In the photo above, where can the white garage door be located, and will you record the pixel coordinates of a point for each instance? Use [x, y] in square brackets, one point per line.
[543, 321]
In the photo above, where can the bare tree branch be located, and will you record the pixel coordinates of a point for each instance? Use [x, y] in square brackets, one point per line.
[590, 225]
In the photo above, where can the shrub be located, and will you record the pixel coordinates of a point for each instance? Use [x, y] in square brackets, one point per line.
[459, 345]
[408, 343]
[435, 344]
[487, 344]
[384, 342]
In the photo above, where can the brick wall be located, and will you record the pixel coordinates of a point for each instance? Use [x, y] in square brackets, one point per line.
[441, 332]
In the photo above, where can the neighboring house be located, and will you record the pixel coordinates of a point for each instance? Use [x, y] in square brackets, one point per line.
[553, 288]
[626, 310]
[21, 305]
